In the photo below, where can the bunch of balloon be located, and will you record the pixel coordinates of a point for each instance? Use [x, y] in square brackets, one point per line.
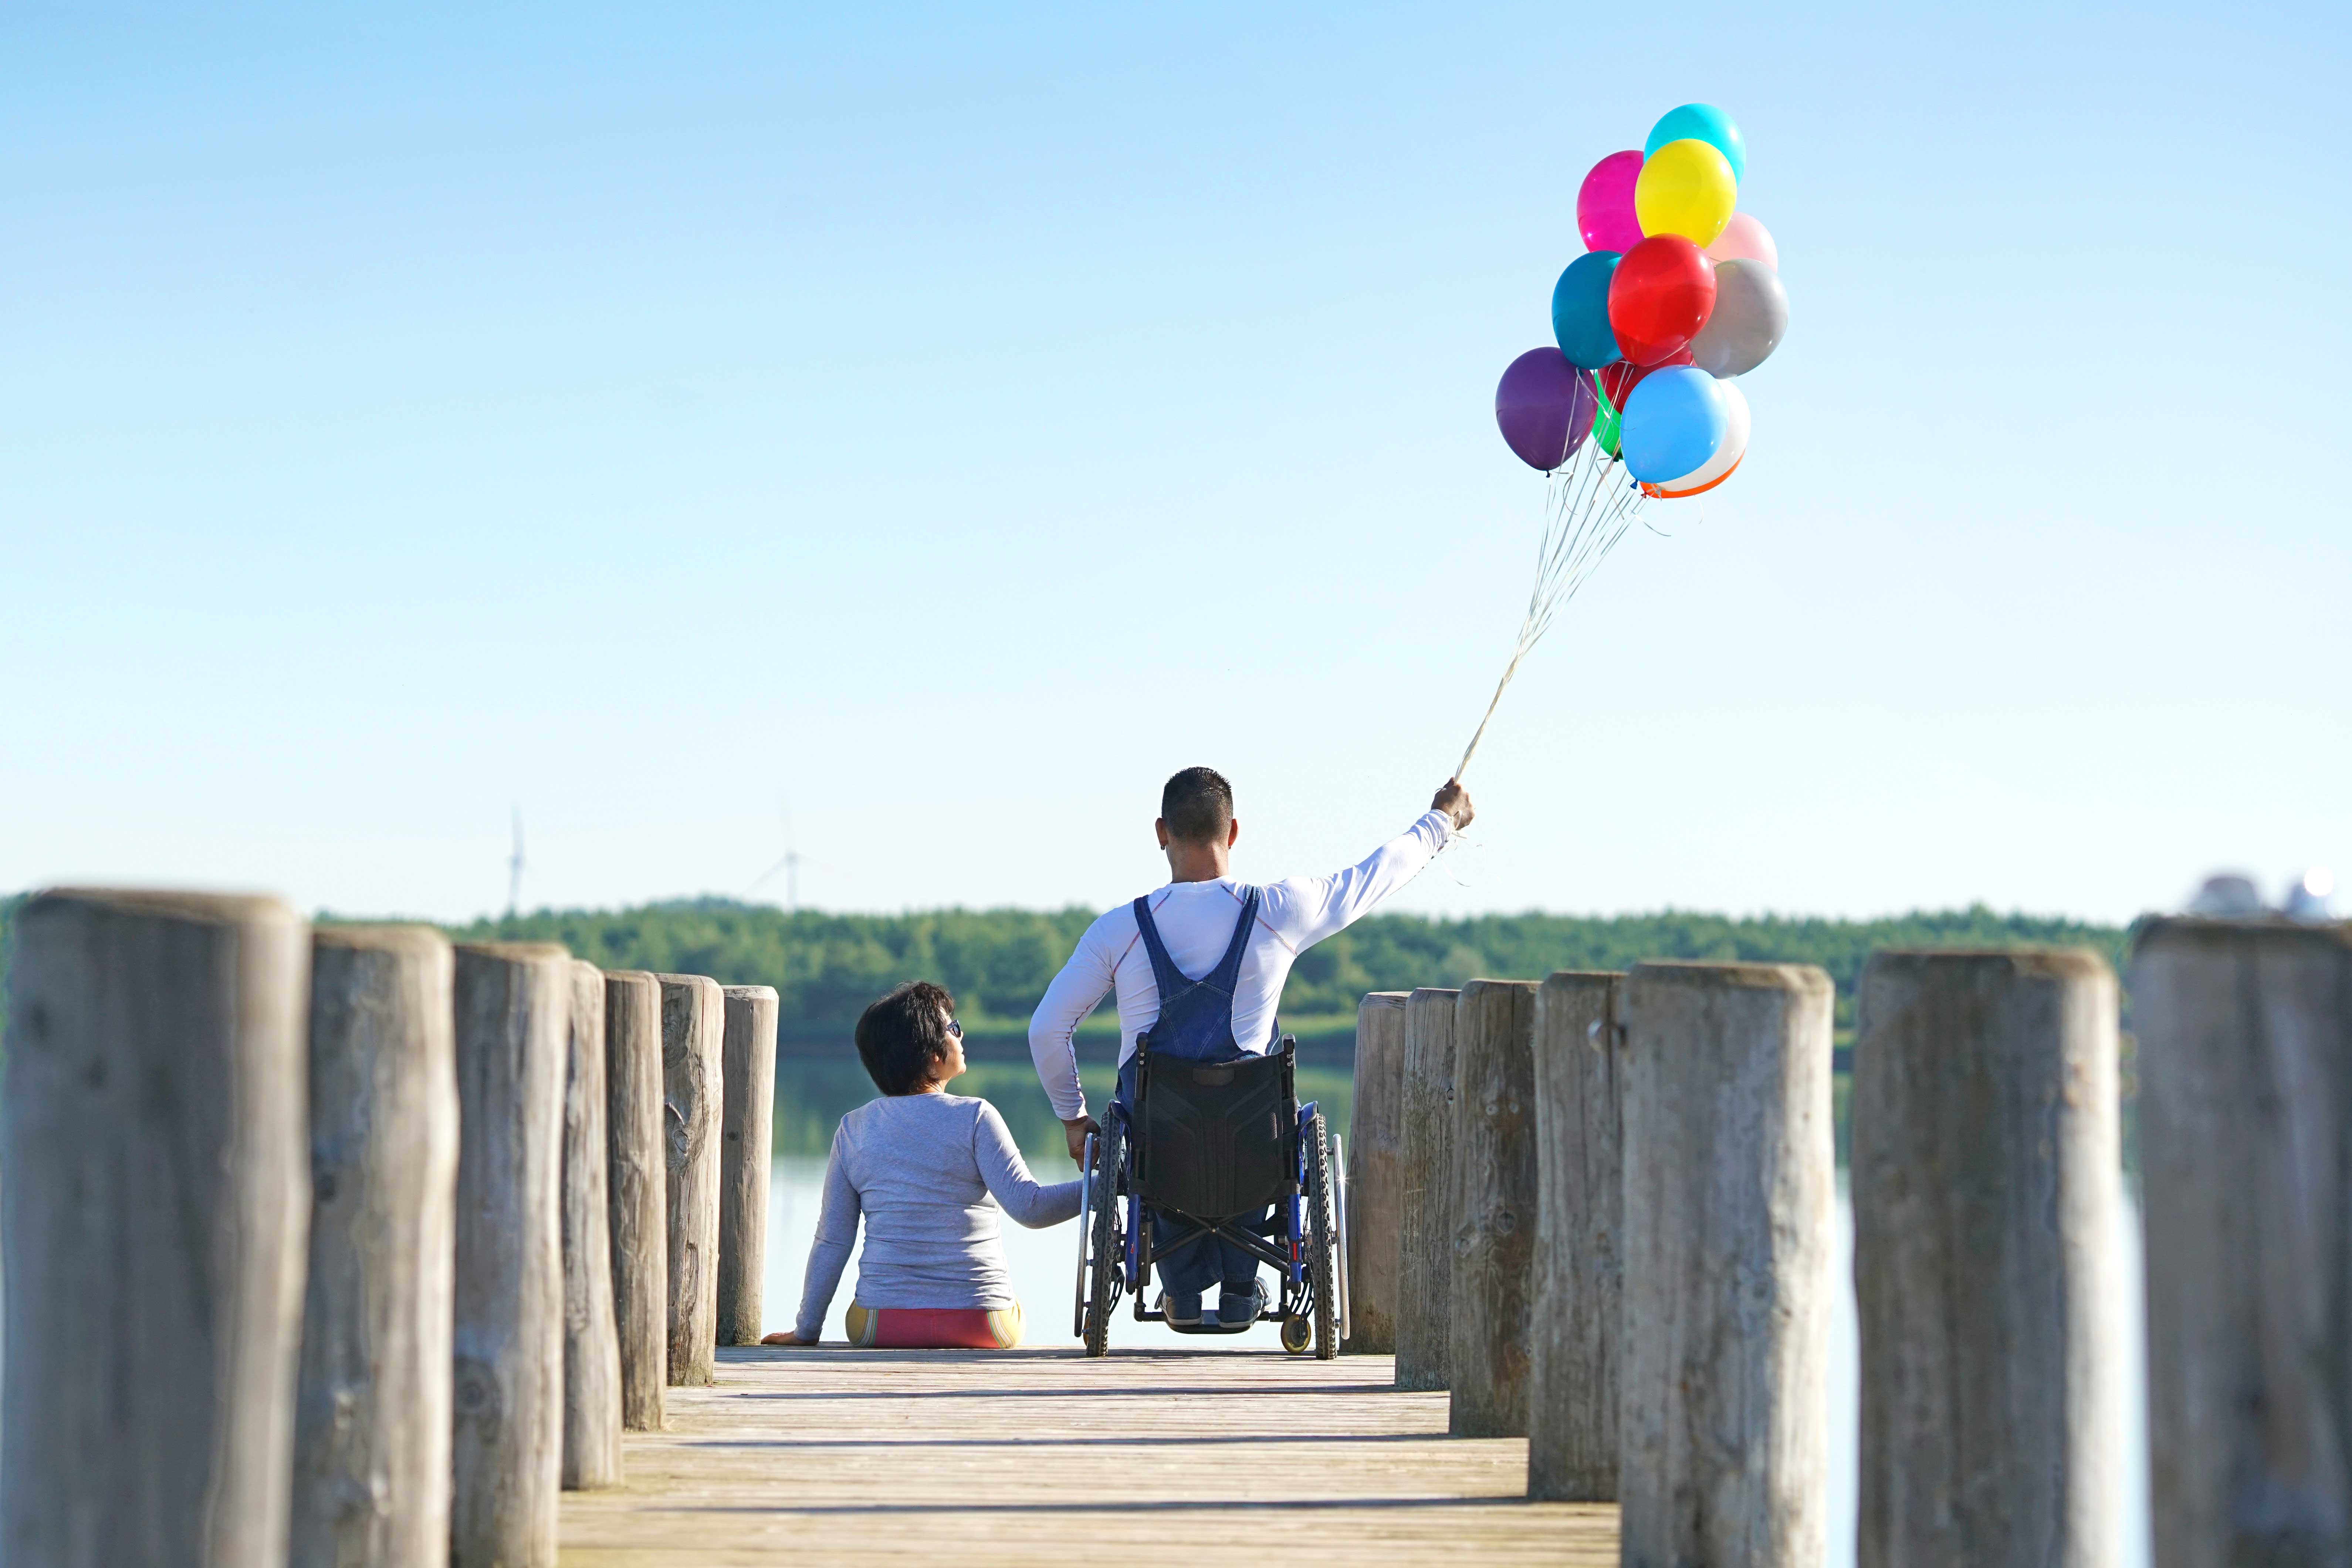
[1677, 293]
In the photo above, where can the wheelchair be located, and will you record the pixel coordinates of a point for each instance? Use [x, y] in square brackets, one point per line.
[1209, 1145]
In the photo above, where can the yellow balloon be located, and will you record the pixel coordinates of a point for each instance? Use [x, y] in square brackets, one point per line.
[1686, 188]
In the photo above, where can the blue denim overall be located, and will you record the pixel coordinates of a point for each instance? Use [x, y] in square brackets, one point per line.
[1195, 1024]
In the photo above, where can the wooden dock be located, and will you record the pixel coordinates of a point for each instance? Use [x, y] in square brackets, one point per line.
[1041, 1456]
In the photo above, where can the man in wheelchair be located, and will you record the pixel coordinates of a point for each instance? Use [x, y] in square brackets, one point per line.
[1220, 1140]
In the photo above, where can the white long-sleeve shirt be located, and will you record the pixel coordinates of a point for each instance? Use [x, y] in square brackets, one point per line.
[1196, 922]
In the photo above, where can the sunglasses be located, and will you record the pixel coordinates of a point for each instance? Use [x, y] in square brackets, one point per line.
[955, 1028]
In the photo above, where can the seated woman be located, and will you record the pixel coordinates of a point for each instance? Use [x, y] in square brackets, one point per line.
[928, 1171]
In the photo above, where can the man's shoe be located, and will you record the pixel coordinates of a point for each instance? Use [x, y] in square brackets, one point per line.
[1236, 1309]
[1183, 1312]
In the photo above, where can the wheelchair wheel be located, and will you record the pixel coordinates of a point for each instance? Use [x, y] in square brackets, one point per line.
[1322, 1242]
[1107, 1270]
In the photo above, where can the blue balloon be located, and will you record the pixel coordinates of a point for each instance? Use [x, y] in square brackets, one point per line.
[1674, 421]
[1580, 311]
[1701, 123]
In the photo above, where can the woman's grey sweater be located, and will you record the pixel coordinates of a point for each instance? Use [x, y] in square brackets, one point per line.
[922, 1168]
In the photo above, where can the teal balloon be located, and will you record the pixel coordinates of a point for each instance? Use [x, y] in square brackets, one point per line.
[1701, 123]
[1580, 311]
[1673, 422]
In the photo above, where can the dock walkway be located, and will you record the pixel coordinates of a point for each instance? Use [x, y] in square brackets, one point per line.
[951, 1457]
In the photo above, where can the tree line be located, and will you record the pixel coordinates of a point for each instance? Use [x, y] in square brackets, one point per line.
[828, 967]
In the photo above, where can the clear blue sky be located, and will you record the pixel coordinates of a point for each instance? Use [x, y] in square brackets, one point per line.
[947, 424]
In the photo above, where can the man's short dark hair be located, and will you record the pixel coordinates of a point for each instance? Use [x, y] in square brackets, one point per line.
[903, 1037]
[1197, 806]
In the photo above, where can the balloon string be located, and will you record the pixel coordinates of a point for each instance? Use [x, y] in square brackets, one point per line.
[1586, 515]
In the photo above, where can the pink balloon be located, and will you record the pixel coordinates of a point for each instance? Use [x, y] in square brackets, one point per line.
[1745, 239]
[1604, 204]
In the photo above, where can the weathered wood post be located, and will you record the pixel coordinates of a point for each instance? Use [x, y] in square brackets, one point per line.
[591, 1346]
[1579, 1269]
[514, 1014]
[1425, 1249]
[1491, 1207]
[637, 1188]
[1986, 1178]
[1730, 1178]
[157, 1197]
[1375, 1203]
[693, 1026]
[371, 1413]
[2245, 1099]
[746, 1142]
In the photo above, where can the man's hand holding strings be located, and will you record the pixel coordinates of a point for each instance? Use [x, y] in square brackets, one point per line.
[1454, 802]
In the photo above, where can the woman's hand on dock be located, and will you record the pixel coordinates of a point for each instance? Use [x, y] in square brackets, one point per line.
[1077, 1132]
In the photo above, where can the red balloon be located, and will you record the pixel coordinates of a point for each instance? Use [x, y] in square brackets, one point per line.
[1659, 297]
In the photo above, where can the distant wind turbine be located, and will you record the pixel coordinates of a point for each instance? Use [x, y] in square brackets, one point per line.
[514, 868]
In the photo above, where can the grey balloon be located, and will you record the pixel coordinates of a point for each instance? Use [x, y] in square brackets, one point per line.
[1749, 319]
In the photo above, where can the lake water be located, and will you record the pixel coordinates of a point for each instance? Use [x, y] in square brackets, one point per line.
[813, 1096]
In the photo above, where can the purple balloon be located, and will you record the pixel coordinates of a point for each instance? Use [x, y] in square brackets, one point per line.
[1545, 406]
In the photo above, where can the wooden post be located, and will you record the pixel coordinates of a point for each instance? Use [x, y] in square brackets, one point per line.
[591, 1346]
[514, 1013]
[1491, 1207]
[1579, 1267]
[1985, 1181]
[746, 1142]
[638, 1191]
[1375, 1205]
[1425, 1249]
[1730, 1179]
[157, 1197]
[693, 1026]
[372, 1414]
[2245, 1098]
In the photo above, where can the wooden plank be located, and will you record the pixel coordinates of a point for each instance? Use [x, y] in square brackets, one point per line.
[1985, 1258]
[2245, 1071]
[746, 1134]
[591, 1346]
[157, 1206]
[1491, 1207]
[513, 1012]
[838, 1456]
[1425, 1249]
[693, 1030]
[371, 1416]
[1730, 1184]
[638, 1188]
[1375, 1212]
[1580, 1267]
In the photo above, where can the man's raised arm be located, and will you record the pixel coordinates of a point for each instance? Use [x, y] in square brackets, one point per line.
[1309, 909]
[1083, 981]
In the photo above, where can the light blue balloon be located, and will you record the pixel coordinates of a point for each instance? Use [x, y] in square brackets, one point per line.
[1580, 311]
[1674, 421]
[1701, 123]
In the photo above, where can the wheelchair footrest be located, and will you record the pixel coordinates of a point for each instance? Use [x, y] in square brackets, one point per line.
[1207, 1327]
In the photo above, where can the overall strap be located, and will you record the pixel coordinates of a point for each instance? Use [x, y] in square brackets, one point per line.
[1227, 975]
[1171, 981]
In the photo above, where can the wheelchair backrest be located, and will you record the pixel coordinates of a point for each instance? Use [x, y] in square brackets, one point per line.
[1213, 1140]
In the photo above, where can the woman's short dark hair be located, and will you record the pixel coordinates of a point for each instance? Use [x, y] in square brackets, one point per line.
[903, 1037]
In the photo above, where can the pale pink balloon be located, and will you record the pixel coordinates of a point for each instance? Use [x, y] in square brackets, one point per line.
[1745, 239]
[1604, 204]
